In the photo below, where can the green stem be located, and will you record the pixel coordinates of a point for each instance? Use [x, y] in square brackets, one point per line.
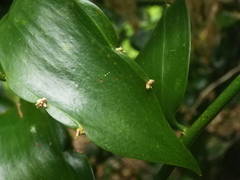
[203, 120]
[210, 113]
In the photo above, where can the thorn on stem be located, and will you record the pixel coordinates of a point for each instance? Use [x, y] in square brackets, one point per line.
[120, 50]
[149, 84]
[80, 131]
[41, 103]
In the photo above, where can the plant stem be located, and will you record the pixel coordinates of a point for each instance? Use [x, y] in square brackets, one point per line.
[203, 120]
[213, 109]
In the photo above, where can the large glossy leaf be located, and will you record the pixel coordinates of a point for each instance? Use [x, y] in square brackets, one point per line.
[33, 147]
[166, 57]
[64, 50]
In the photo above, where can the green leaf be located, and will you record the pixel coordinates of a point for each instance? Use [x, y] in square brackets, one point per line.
[61, 52]
[166, 57]
[33, 147]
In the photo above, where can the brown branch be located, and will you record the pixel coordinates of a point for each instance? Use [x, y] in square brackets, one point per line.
[203, 95]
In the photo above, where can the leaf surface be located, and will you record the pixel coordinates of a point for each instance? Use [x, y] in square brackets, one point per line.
[64, 50]
[166, 57]
[34, 147]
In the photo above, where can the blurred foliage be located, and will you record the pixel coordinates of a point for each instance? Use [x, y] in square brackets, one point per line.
[215, 61]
